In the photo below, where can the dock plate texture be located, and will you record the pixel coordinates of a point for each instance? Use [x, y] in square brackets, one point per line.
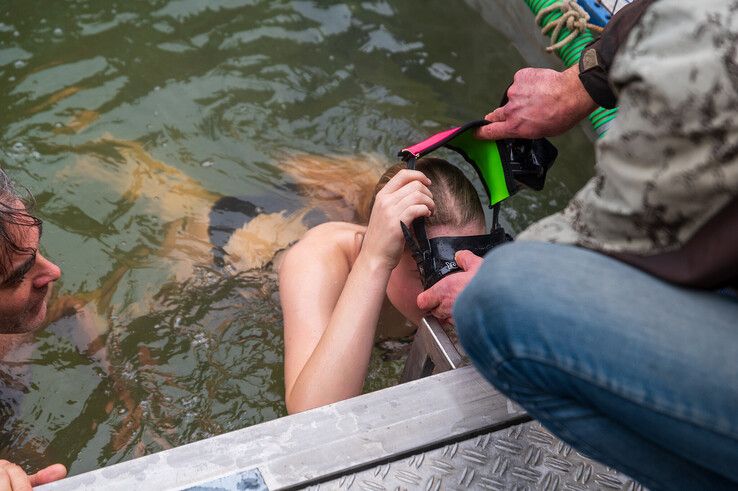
[521, 457]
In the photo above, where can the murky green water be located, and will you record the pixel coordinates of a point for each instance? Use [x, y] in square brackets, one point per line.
[128, 120]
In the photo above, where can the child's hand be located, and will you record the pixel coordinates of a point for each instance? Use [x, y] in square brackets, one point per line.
[404, 198]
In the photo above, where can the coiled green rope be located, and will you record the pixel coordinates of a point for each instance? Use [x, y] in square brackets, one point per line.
[570, 54]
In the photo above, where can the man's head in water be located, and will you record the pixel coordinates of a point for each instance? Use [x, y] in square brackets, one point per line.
[25, 275]
[458, 212]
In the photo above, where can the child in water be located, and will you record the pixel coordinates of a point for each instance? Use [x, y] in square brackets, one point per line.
[342, 280]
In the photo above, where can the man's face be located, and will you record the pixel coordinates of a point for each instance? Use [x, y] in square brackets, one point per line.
[26, 284]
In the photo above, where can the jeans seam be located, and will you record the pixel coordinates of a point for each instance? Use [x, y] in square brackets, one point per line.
[586, 377]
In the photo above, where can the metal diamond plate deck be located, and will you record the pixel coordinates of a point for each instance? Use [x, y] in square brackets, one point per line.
[518, 458]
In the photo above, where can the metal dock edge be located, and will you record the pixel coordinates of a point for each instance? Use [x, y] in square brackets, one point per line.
[326, 442]
[447, 431]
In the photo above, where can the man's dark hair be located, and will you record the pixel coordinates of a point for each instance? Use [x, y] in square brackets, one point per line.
[11, 213]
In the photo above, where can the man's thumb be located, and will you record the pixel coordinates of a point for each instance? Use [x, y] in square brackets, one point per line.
[423, 301]
[49, 474]
[467, 260]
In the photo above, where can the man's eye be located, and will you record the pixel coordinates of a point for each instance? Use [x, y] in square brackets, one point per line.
[10, 282]
[17, 276]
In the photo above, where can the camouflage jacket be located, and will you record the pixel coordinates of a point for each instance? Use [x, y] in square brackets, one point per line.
[669, 162]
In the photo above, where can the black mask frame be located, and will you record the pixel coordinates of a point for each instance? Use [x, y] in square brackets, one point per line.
[524, 162]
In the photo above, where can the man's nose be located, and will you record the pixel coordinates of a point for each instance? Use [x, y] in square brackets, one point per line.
[47, 272]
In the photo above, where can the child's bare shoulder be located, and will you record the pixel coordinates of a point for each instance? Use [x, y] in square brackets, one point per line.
[330, 238]
[333, 230]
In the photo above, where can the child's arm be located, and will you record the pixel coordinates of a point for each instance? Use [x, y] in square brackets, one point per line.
[331, 304]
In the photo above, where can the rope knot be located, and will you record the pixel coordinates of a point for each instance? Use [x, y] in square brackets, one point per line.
[573, 17]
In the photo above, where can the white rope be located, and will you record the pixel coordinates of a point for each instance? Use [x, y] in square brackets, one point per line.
[573, 17]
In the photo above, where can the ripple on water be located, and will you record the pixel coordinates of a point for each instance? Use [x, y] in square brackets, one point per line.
[383, 40]
[129, 121]
[90, 27]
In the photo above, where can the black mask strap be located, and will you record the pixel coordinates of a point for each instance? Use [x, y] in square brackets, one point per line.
[418, 224]
[420, 235]
[495, 217]
[410, 240]
[419, 245]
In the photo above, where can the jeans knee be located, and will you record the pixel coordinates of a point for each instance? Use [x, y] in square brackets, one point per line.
[490, 313]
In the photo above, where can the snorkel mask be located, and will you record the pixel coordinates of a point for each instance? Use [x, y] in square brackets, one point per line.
[504, 167]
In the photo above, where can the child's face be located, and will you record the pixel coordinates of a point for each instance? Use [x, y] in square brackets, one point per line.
[404, 284]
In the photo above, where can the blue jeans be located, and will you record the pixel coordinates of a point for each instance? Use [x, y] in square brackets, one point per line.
[635, 372]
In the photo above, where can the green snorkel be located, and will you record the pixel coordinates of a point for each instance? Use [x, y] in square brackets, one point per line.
[504, 167]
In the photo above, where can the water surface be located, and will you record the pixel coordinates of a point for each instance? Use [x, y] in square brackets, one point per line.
[130, 120]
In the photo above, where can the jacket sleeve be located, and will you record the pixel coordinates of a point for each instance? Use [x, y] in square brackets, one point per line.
[598, 56]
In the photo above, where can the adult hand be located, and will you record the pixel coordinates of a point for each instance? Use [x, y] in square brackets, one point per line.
[404, 198]
[541, 102]
[13, 478]
[439, 299]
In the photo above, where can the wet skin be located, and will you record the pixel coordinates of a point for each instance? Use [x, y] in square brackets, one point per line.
[26, 285]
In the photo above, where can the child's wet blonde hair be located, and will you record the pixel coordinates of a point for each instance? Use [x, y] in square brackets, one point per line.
[457, 202]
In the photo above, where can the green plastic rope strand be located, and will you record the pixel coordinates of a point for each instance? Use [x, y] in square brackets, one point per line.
[571, 51]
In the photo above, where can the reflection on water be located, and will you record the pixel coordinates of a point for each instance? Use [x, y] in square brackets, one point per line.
[149, 133]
